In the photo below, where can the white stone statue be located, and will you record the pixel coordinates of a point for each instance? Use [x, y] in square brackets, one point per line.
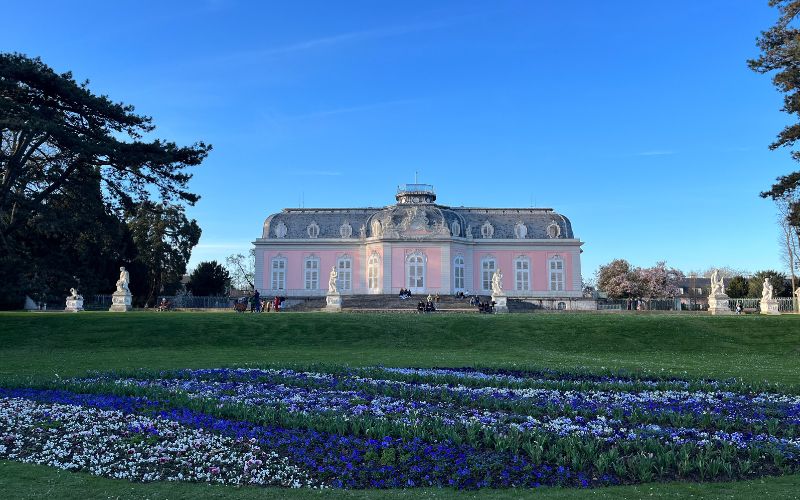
[123, 281]
[332, 281]
[717, 283]
[74, 301]
[767, 290]
[497, 283]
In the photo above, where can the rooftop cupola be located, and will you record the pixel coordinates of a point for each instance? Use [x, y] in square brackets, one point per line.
[410, 194]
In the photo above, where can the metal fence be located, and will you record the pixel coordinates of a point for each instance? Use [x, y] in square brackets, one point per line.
[103, 302]
[785, 304]
[662, 304]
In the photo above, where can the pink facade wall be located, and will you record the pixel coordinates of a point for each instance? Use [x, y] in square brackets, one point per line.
[433, 277]
[540, 271]
[295, 262]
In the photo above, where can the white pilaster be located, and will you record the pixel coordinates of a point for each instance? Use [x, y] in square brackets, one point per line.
[447, 265]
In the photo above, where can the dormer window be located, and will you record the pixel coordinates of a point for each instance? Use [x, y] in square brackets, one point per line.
[553, 230]
[520, 230]
[487, 230]
[313, 230]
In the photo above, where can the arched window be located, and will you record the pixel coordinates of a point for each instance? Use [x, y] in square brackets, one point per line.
[311, 273]
[488, 266]
[415, 272]
[374, 272]
[278, 273]
[556, 265]
[522, 273]
[458, 273]
[344, 268]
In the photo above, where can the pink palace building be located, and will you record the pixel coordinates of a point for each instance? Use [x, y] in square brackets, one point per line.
[419, 245]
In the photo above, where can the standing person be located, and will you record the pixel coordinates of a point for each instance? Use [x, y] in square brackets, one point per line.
[269, 305]
[256, 302]
[739, 307]
[276, 305]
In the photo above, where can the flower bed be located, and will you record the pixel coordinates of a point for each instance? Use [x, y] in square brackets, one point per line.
[388, 427]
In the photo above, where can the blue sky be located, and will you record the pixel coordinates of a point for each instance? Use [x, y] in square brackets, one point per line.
[638, 120]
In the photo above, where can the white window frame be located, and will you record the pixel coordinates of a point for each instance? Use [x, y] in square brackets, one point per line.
[311, 273]
[522, 274]
[416, 283]
[277, 275]
[459, 273]
[488, 267]
[555, 268]
[313, 230]
[374, 272]
[344, 269]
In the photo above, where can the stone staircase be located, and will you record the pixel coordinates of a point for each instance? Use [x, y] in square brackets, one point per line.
[385, 303]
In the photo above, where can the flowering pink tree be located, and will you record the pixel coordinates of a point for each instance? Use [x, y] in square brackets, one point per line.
[659, 280]
[618, 279]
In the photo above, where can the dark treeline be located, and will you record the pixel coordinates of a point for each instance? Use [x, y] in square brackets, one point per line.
[82, 192]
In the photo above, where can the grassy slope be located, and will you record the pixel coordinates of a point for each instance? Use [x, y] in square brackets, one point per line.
[753, 348]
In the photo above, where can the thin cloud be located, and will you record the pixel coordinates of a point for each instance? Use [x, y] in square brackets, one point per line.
[340, 39]
[322, 173]
[351, 109]
[656, 153]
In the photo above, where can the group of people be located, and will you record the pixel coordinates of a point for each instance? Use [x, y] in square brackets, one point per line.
[405, 294]
[486, 307]
[258, 304]
[424, 306]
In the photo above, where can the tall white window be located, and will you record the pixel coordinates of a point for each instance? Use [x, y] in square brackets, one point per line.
[415, 272]
[488, 266]
[522, 274]
[344, 268]
[278, 273]
[556, 274]
[373, 272]
[458, 273]
[311, 274]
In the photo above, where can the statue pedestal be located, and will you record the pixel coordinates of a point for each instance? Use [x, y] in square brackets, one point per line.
[500, 304]
[719, 304]
[121, 301]
[74, 305]
[333, 302]
[769, 306]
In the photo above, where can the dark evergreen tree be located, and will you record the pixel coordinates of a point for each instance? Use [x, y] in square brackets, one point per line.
[72, 164]
[209, 279]
[737, 287]
[164, 238]
[780, 55]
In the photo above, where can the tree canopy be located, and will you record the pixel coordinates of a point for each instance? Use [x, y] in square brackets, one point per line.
[78, 181]
[780, 56]
[53, 129]
[209, 278]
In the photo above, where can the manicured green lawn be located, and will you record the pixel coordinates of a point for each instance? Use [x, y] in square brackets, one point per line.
[44, 345]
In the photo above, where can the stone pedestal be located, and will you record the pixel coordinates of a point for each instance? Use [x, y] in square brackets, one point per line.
[500, 303]
[719, 304]
[121, 301]
[769, 306]
[74, 304]
[333, 302]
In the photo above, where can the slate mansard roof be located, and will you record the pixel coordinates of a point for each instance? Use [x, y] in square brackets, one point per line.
[417, 218]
